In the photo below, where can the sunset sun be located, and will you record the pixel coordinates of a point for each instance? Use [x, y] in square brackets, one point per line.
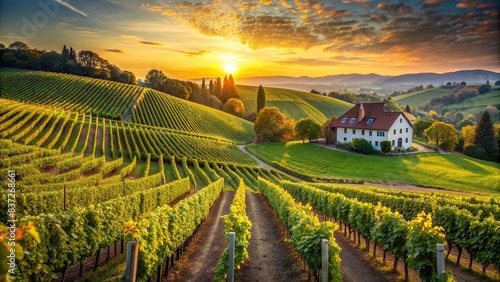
[230, 67]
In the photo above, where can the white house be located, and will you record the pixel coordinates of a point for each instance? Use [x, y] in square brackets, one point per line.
[374, 122]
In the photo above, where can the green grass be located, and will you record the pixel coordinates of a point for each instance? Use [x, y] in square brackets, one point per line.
[418, 98]
[476, 104]
[295, 104]
[453, 172]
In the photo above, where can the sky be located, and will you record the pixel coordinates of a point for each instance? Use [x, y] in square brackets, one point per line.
[194, 39]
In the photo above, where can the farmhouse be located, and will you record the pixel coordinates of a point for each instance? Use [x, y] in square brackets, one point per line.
[374, 122]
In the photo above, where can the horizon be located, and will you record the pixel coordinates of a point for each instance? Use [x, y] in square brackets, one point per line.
[194, 40]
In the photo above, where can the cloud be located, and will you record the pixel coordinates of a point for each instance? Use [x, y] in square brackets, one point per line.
[306, 62]
[150, 43]
[114, 50]
[432, 2]
[193, 53]
[67, 5]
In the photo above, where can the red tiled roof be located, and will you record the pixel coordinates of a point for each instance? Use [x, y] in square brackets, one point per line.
[383, 117]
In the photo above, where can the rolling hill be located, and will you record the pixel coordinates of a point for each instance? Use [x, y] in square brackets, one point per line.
[295, 104]
[418, 98]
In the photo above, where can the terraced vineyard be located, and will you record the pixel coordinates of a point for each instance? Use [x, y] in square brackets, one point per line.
[295, 104]
[158, 109]
[87, 134]
[69, 92]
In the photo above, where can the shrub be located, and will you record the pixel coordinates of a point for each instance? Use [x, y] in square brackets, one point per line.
[475, 151]
[386, 146]
[362, 146]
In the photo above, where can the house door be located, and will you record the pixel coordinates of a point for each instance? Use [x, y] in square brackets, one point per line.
[400, 142]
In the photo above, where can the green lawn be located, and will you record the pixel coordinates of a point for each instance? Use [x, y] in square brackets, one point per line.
[418, 98]
[453, 172]
[295, 104]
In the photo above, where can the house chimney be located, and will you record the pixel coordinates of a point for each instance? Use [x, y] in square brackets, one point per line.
[361, 112]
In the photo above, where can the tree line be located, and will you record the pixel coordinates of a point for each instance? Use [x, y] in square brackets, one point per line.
[84, 63]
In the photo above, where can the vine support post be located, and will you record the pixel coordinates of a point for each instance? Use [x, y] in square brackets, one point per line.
[230, 272]
[324, 260]
[440, 259]
[131, 264]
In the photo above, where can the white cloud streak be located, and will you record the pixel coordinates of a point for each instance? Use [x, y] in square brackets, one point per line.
[67, 5]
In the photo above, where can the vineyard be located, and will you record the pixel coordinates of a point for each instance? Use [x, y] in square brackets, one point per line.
[89, 182]
[158, 109]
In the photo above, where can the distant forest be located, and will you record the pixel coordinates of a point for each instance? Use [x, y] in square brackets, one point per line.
[84, 63]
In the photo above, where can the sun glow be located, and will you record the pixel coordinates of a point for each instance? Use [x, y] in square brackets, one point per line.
[230, 67]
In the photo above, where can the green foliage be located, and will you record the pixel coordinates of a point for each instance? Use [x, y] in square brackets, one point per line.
[238, 222]
[306, 231]
[420, 125]
[261, 98]
[273, 125]
[474, 151]
[307, 128]
[361, 145]
[421, 246]
[235, 107]
[163, 230]
[485, 136]
[386, 146]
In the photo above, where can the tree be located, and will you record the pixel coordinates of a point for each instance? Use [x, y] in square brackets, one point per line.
[65, 52]
[407, 109]
[328, 132]
[156, 79]
[235, 107]
[386, 146]
[497, 82]
[463, 83]
[485, 136]
[89, 59]
[420, 125]
[442, 134]
[469, 134]
[272, 125]
[307, 128]
[228, 90]
[261, 98]
[448, 83]
[203, 84]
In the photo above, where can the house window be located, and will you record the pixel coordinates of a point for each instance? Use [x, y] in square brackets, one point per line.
[394, 131]
[406, 140]
[363, 132]
[352, 120]
[393, 143]
[370, 133]
[380, 133]
[400, 120]
[376, 143]
[370, 142]
[407, 130]
[345, 130]
[344, 120]
[345, 139]
[370, 121]
[354, 131]
[400, 130]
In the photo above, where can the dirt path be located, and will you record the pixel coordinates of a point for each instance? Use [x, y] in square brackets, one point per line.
[206, 248]
[262, 164]
[271, 259]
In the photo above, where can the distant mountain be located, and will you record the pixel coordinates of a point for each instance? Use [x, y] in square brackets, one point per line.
[375, 79]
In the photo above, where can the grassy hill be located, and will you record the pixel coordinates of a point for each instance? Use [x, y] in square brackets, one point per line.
[453, 172]
[295, 104]
[476, 104]
[419, 98]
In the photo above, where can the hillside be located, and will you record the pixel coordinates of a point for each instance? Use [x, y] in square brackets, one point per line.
[295, 104]
[477, 104]
[418, 98]
[114, 100]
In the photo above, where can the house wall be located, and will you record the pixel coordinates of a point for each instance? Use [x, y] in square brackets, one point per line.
[400, 125]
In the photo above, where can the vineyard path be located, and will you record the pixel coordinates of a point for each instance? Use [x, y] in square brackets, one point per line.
[126, 117]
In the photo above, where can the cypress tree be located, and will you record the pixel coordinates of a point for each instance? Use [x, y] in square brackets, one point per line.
[261, 98]
[65, 52]
[203, 84]
[485, 136]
